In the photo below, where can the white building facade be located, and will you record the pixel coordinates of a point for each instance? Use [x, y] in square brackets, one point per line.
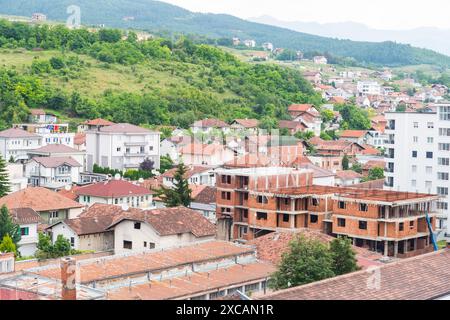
[418, 156]
[122, 147]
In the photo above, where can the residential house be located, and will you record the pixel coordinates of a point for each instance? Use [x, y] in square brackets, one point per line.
[50, 205]
[59, 151]
[207, 126]
[347, 178]
[293, 127]
[204, 201]
[160, 229]
[95, 124]
[28, 220]
[15, 143]
[79, 142]
[85, 233]
[336, 148]
[250, 43]
[196, 175]
[366, 88]
[307, 114]
[122, 146]
[51, 133]
[268, 46]
[358, 136]
[320, 60]
[116, 192]
[40, 116]
[17, 179]
[53, 172]
[212, 155]
[249, 126]
[313, 76]
[171, 146]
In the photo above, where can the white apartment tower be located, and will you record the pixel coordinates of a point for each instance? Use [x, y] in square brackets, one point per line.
[122, 146]
[418, 155]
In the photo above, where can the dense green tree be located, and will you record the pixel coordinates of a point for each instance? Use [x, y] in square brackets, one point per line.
[343, 255]
[166, 163]
[180, 194]
[7, 245]
[353, 117]
[345, 162]
[306, 261]
[375, 174]
[5, 186]
[8, 226]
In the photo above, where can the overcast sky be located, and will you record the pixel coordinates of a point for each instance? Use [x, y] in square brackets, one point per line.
[380, 14]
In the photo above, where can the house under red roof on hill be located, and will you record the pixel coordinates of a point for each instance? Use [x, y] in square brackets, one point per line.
[113, 188]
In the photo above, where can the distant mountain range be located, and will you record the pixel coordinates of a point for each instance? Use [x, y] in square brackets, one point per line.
[424, 37]
[158, 16]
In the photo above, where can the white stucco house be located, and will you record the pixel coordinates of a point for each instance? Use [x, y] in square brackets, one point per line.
[28, 220]
[53, 172]
[161, 229]
[116, 192]
[17, 179]
[15, 144]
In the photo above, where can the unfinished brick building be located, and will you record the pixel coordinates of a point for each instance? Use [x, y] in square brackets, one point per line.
[254, 202]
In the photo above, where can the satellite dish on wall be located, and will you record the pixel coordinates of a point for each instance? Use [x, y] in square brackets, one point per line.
[117, 176]
[141, 180]
[125, 207]
[68, 187]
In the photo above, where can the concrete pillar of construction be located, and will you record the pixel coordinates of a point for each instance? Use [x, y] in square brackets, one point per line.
[68, 279]
[386, 248]
[395, 249]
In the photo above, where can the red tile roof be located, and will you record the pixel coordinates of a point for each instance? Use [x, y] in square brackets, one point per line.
[99, 122]
[80, 139]
[418, 278]
[56, 148]
[211, 123]
[113, 188]
[374, 164]
[39, 199]
[203, 194]
[86, 226]
[70, 194]
[300, 107]
[37, 112]
[55, 162]
[202, 149]
[353, 133]
[173, 221]
[25, 216]
[348, 175]
[247, 123]
[291, 125]
[17, 133]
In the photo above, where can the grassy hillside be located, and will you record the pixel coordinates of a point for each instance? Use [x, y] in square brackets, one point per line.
[161, 17]
[153, 82]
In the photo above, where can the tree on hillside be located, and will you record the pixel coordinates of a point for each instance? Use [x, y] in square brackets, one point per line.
[180, 194]
[5, 186]
[306, 261]
[7, 245]
[166, 164]
[8, 226]
[344, 258]
[345, 163]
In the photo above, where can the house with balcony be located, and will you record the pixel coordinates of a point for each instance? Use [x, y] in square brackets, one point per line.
[15, 144]
[51, 133]
[53, 172]
[122, 146]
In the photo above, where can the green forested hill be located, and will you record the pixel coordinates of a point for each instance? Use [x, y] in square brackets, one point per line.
[81, 75]
[160, 17]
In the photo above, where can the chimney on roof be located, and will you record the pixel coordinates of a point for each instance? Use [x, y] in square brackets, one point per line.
[68, 279]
